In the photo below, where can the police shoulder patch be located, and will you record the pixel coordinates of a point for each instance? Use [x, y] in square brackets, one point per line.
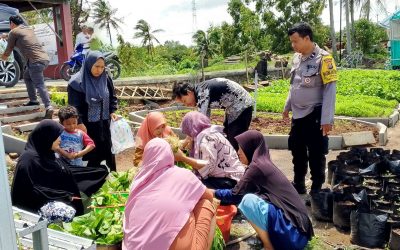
[328, 69]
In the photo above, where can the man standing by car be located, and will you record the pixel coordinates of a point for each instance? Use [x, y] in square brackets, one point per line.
[312, 102]
[25, 40]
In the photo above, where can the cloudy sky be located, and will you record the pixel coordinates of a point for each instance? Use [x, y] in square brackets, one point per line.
[175, 16]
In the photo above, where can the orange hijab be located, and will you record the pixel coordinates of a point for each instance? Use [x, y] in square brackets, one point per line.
[149, 124]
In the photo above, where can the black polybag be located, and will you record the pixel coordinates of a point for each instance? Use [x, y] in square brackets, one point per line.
[322, 205]
[368, 228]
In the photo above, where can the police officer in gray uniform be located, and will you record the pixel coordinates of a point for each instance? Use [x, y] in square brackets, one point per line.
[311, 100]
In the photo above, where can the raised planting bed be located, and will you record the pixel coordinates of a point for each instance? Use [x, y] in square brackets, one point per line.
[269, 123]
[275, 129]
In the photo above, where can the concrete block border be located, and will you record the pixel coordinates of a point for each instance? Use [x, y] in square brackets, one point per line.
[383, 134]
[138, 116]
[387, 121]
[19, 118]
[278, 141]
[13, 144]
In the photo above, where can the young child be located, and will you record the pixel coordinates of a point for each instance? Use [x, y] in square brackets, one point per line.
[74, 142]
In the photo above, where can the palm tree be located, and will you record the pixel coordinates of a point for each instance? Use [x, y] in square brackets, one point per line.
[332, 26]
[366, 5]
[348, 26]
[205, 46]
[147, 35]
[104, 15]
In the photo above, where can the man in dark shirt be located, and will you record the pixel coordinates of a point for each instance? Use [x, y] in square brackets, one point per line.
[25, 40]
[219, 93]
[262, 67]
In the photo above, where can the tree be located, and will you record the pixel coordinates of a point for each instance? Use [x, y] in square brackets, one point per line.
[104, 15]
[33, 17]
[79, 15]
[247, 26]
[204, 46]
[332, 29]
[277, 16]
[174, 51]
[147, 35]
[229, 43]
[348, 26]
[368, 34]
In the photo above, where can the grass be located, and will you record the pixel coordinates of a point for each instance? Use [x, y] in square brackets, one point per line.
[59, 98]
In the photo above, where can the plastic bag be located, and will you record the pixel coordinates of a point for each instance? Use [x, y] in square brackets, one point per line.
[56, 211]
[3, 46]
[121, 136]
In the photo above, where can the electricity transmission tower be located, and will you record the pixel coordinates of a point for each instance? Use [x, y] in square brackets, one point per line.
[194, 17]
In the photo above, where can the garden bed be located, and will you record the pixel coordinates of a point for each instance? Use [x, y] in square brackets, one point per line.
[360, 93]
[269, 124]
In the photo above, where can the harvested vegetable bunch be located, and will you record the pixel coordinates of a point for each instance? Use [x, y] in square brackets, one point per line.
[174, 142]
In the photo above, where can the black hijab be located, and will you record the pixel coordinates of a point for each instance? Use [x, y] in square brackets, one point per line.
[38, 177]
[42, 137]
[84, 82]
[264, 179]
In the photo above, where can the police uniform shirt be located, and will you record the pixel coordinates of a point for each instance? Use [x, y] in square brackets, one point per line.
[313, 83]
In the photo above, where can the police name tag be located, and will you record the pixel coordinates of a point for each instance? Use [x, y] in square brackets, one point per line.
[328, 70]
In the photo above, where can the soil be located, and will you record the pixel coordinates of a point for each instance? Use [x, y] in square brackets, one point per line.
[269, 123]
[327, 234]
[346, 203]
[124, 160]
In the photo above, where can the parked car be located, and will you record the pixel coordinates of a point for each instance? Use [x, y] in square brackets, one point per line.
[10, 73]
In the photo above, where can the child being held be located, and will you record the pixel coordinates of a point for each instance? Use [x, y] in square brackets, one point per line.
[74, 142]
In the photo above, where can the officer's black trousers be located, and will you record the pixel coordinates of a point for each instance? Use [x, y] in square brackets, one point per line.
[308, 146]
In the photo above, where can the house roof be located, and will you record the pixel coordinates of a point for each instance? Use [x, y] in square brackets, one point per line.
[386, 22]
[26, 6]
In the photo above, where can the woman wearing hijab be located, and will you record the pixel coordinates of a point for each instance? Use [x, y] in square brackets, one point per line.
[91, 92]
[154, 125]
[168, 207]
[267, 199]
[215, 159]
[40, 178]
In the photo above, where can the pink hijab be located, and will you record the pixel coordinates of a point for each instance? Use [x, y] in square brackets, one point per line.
[161, 200]
[149, 124]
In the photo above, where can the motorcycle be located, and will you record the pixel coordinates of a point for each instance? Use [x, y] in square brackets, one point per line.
[71, 67]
